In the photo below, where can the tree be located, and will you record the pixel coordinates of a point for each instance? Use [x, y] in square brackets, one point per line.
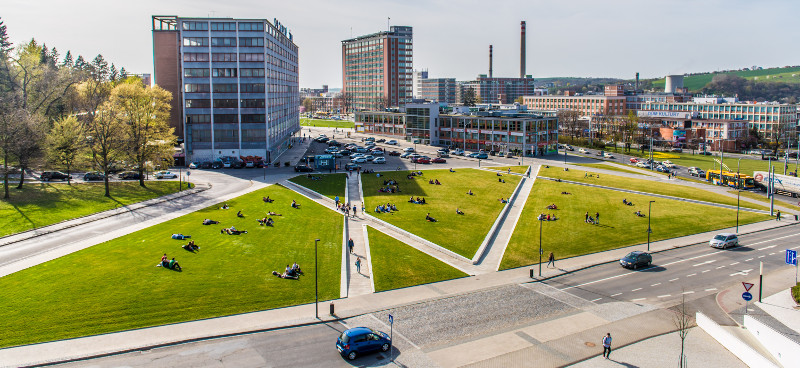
[105, 138]
[569, 120]
[123, 74]
[68, 62]
[8, 134]
[144, 115]
[27, 145]
[66, 143]
[683, 322]
[519, 100]
[5, 44]
[468, 97]
[345, 100]
[308, 104]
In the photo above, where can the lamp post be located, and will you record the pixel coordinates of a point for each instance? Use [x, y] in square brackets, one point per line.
[738, 191]
[649, 230]
[316, 281]
[415, 151]
[540, 246]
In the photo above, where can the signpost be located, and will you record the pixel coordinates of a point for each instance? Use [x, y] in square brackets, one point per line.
[746, 295]
[391, 330]
[791, 259]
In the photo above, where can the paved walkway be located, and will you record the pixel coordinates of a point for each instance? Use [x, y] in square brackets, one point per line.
[359, 281]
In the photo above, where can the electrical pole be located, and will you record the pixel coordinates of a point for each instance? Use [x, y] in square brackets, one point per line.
[649, 229]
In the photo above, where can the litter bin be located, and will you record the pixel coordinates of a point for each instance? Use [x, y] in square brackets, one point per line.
[531, 272]
[331, 308]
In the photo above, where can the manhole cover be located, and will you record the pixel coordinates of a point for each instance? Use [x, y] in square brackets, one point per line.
[590, 344]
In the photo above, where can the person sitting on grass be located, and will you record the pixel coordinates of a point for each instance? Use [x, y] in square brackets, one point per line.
[239, 214]
[639, 213]
[459, 212]
[552, 207]
[423, 201]
[173, 265]
[267, 199]
[437, 182]
[566, 193]
[624, 201]
[411, 199]
[430, 181]
[500, 180]
[393, 208]
[591, 220]
[224, 207]
[378, 209]
[164, 261]
[296, 269]
[451, 170]
[294, 204]
[429, 218]
[409, 177]
[180, 236]
[499, 174]
[502, 200]
[470, 192]
[266, 221]
[209, 222]
[273, 214]
[190, 246]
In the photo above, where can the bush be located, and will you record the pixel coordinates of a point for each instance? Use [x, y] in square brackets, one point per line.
[796, 293]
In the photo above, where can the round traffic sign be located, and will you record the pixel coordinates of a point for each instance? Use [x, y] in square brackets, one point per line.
[747, 296]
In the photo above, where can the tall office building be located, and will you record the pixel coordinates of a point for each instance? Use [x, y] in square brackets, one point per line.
[377, 69]
[233, 81]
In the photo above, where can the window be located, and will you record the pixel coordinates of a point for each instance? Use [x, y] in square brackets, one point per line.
[198, 119]
[193, 56]
[223, 57]
[251, 41]
[226, 118]
[193, 72]
[205, 103]
[223, 72]
[223, 41]
[254, 103]
[225, 135]
[252, 72]
[223, 26]
[225, 103]
[195, 26]
[254, 135]
[201, 135]
[225, 88]
[251, 57]
[251, 26]
[195, 41]
[253, 118]
[196, 88]
[252, 87]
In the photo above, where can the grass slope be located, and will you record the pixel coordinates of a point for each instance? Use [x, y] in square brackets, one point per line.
[115, 285]
[697, 82]
[647, 186]
[619, 227]
[514, 169]
[396, 265]
[331, 185]
[609, 167]
[327, 123]
[42, 204]
[462, 234]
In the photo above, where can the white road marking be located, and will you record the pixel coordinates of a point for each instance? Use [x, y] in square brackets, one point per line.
[694, 274]
[772, 253]
[767, 241]
[637, 289]
[705, 271]
[663, 296]
[638, 299]
[592, 282]
[673, 280]
[720, 267]
[401, 335]
[734, 263]
[748, 260]
[616, 294]
[706, 262]
[688, 292]
[743, 272]
[771, 246]
[711, 289]
[761, 256]
[655, 284]
[594, 300]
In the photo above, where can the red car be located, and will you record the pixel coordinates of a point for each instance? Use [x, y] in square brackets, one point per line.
[438, 160]
[423, 160]
[634, 160]
[394, 153]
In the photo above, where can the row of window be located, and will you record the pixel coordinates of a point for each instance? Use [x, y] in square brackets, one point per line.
[223, 26]
[225, 103]
[223, 41]
[225, 118]
[222, 72]
[197, 56]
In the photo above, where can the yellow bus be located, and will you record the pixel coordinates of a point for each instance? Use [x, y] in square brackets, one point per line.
[728, 178]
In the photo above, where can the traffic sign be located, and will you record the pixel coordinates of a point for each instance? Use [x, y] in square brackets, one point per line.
[747, 286]
[391, 319]
[188, 173]
[747, 296]
[791, 257]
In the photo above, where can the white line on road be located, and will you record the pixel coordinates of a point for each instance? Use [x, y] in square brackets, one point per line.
[743, 272]
[616, 294]
[594, 300]
[706, 262]
[655, 284]
[748, 260]
[674, 279]
[705, 271]
[772, 253]
[734, 263]
[637, 289]
[711, 289]
[720, 267]
[688, 292]
[771, 246]
[694, 274]
[638, 299]
[761, 256]
[663, 296]
[399, 334]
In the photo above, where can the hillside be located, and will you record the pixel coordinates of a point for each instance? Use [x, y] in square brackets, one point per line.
[696, 82]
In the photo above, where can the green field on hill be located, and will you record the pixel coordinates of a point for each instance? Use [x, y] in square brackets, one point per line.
[697, 82]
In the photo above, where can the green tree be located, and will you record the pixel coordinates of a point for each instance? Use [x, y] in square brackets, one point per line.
[68, 62]
[468, 97]
[106, 139]
[308, 104]
[66, 143]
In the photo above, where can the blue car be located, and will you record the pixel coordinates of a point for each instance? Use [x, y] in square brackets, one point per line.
[360, 340]
[482, 156]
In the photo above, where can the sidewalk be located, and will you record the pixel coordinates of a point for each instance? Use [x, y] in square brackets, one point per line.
[359, 281]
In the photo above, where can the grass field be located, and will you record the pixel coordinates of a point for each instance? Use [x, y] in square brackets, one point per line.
[462, 234]
[42, 204]
[514, 169]
[396, 265]
[642, 185]
[331, 185]
[610, 167]
[115, 285]
[697, 82]
[619, 226]
[326, 123]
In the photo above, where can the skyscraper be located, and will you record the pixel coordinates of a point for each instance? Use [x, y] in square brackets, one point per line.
[233, 81]
[377, 69]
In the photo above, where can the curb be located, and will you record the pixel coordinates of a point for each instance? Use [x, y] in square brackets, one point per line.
[369, 258]
[501, 217]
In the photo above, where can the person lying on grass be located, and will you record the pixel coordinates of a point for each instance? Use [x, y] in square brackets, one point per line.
[232, 231]
[267, 199]
[639, 213]
[209, 222]
[273, 214]
[180, 236]
[190, 246]
[285, 276]
[294, 204]
[429, 218]
[459, 212]
[266, 221]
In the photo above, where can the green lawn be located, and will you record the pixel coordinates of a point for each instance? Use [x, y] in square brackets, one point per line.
[331, 185]
[514, 169]
[326, 123]
[396, 265]
[462, 234]
[610, 167]
[643, 185]
[762, 198]
[697, 82]
[115, 285]
[747, 165]
[619, 227]
[42, 204]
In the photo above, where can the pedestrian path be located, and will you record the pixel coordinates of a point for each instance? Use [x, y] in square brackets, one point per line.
[359, 278]
[294, 154]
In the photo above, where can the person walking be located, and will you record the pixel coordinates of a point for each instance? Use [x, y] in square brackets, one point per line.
[351, 245]
[337, 201]
[354, 210]
[586, 217]
[778, 216]
[358, 268]
[551, 260]
[597, 218]
[607, 345]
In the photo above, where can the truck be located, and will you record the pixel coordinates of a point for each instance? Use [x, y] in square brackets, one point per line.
[782, 184]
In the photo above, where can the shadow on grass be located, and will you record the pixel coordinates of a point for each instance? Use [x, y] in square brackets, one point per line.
[33, 225]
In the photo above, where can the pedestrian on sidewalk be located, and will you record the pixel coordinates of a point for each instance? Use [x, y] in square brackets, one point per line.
[358, 265]
[597, 218]
[354, 210]
[351, 245]
[778, 216]
[551, 260]
[607, 345]
[337, 201]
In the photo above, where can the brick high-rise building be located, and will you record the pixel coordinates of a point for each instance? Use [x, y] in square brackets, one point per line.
[377, 69]
[233, 81]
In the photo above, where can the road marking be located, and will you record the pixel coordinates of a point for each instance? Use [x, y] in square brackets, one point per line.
[594, 300]
[673, 279]
[734, 263]
[771, 246]
[663, 296]
[688, 292]
[748, 260]
[638, 299]
[761, 256]
[743, 272]
[616, 294]
[399, 334]
[706, 262]
[655, 284]
[772, 253]
[767, 241]
[592, 282]
[711, 289]
[637, 289]
[694, 274]
[705, 271]
[720, 267]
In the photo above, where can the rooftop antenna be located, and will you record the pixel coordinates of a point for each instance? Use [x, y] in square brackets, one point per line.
[387, 23]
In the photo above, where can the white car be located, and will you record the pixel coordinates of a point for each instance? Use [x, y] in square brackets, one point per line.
[166, 175]
[669, 164]
[608, 155]
[369, 157]
[643, 165]
[392, 142]
[359, 160]
[583, 150]
[408, 149]
[724, 240]
[379, 160]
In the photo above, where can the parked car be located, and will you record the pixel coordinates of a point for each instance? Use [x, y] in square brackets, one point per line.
[193, 165]
[361, 150]
[351, 166]
[669, 164]
[442, 154]
[405, 155]
[53, 175]
[166, 175]
[583, 150]
[608, 155]
[128, 175]
[380, 140]
[369, 157]
[696, 171]
[391, 141]
[377, 152]
[706, 153]
[408, 149]
[322, 139]
[379, 160]
[423, 160]
[510, 155]
[663, 169]
[677, 149]
[643, 165]
[93, 176]
[354, 342]
[358, 160]
[636, 259]
[394, 153]
[303, 168]
[633, 160]
[217, 164]
[331, 149]
[570, 148]
[439, 160]
[205, 165]
[458, 152]
[482, 156]
[724, 240]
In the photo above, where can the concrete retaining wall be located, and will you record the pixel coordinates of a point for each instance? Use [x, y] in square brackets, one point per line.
[492, 234]
[782, 348]
[736, 346]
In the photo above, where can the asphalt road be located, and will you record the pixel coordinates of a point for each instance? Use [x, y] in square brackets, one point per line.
[691, 272]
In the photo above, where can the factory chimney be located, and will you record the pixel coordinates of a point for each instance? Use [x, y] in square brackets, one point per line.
[490, 61]
[637, 82]
[522, 50]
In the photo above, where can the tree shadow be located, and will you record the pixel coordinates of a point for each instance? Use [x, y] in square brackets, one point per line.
[28, 219]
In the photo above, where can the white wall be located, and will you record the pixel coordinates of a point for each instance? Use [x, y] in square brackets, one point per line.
[736, 346]
[786, 351]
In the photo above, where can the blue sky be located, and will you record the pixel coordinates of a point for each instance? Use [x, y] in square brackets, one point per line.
[583, 38]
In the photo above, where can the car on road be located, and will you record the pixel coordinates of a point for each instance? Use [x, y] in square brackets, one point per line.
[439, 160]
[334, 143]
[608, 155]
[422, 160]
[511, 155]
[636, 259]
[669, 164]
[331, 149]
[408, 149]
[663, 169]
[643, 165]
[53, 175]
[380, 140]
[358, 160]
[379, 160]
[166, 175]
[128, 175]
[193, 165]
[696, 171]
[724, 240]
[303, 168]
[357, 341]
[677, 149]
[442, 154]
[458, 152]
[369, 157]
[391, 141]
[394, 153]
[92, 176]
[377, 152]
[705, 153]
[633, 160]
[570, 148]
[322, 139]
[482, 156]
[583, 150]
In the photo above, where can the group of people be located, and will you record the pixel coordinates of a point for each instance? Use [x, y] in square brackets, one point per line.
[543, 217]
[417, 200]
[292, 272]
[312, 177]
[266, 221]
[552, 207]
[190, 246]
[639, 213]
[389, 189]
[626, 202]
[385, 208]
[267, 199]
[436, 182]
[592, 220]
[346, 208]
[170, 264]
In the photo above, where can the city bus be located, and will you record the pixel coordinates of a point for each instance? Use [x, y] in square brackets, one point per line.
[728, 178]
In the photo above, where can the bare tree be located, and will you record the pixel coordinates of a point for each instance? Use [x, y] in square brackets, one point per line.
[345, 100]
[683, 322]
[27, 146]
[105, 139]
[569, 120]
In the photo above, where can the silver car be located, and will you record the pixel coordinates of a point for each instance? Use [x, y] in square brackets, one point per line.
[724, 240]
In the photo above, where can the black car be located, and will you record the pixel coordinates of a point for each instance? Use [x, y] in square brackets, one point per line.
[204, 165]
[334, 143]
[128, 175]
[381, 140]
[351, 166]
[303, 168]
[92, 176]
[322, 139]
[217, 164]
[636, 259]
[53, 175]
[345, 152]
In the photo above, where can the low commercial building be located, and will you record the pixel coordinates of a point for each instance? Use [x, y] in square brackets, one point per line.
[498, 90]
[438, 89]
[610, 103]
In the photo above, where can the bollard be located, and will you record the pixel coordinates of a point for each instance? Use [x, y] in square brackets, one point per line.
[332, 308]
[531, 272]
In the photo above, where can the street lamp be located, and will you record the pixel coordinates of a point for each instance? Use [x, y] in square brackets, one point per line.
[316, 281]
[649, 230]
[738, 191]
[540, 245]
